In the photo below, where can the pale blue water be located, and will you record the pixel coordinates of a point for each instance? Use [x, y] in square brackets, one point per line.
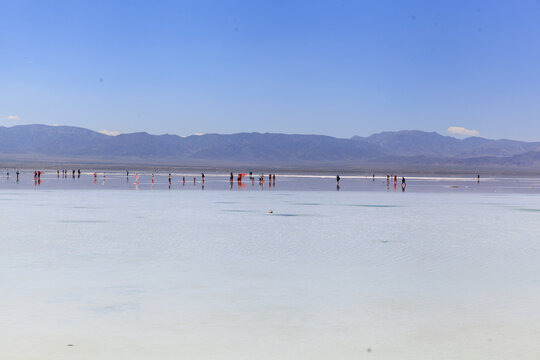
[212, 275]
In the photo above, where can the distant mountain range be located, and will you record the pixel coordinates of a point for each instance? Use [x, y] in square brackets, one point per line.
[417, 150]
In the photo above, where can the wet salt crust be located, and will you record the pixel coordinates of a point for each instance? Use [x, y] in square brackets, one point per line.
[116, 274]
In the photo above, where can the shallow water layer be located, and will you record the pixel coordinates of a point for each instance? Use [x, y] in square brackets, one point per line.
[189, 181]
[118, 274]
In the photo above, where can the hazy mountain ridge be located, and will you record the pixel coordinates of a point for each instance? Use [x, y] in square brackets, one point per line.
[432, 144]
[412, 147]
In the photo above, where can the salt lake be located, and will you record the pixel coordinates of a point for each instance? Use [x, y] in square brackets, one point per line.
[448, 269]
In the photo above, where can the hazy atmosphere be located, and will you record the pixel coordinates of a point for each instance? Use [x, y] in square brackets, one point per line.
[320, 67]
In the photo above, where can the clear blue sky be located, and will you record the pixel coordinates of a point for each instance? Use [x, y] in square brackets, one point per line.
[339, 68]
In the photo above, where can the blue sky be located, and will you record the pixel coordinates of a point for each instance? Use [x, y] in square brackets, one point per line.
[340, 68]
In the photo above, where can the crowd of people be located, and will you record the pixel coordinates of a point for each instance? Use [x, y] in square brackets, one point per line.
[390, 178]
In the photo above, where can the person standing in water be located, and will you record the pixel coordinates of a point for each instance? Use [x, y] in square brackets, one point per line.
[478, 179]
[337, 179]
[17, 175]
[202, 176]
[183, 180]
[231, 178]
[403, 184]
[170, 179]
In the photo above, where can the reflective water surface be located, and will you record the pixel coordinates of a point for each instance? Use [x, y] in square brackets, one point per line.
[92, 271]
